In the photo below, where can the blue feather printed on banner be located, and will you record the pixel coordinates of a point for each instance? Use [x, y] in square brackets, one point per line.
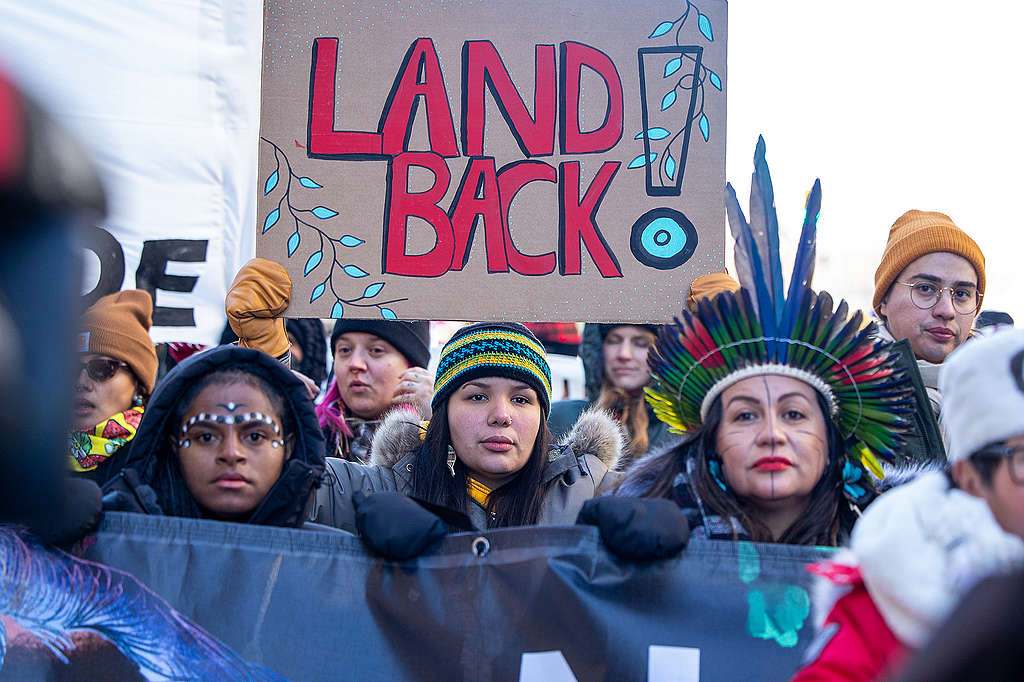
[670, 166]
[324, 213]
[373, 290]
[668, 100]
[318, 291]
[337, 311]
[704, 24]
[715, 80]
[643, 160]
[309, 182]
[312, 262]
[293, 243]
[673, 66]
[353, 271]
[271, 219]
[388, 314]
[653, 134]
[350, 241]
[661, 29]
[270, 184]
[705, 127]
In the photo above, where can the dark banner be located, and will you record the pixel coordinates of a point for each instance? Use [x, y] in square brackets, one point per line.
[167, 598]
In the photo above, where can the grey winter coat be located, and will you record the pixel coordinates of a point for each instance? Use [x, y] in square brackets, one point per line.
[575, 469]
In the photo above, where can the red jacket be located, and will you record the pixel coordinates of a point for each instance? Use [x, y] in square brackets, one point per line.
[854, 644]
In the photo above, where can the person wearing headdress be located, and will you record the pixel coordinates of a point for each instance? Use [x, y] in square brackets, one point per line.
[921, 546]
[785, 405]
[486, 452]
[116, 376]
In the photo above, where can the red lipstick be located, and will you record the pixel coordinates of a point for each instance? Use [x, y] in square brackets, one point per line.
[772, 464]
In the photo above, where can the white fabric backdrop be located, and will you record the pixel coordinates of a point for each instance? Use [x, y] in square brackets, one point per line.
[165, 95]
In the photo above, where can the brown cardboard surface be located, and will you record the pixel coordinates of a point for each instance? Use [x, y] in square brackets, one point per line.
[471, 160]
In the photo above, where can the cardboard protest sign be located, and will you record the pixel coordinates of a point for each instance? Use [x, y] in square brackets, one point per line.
[493, 160]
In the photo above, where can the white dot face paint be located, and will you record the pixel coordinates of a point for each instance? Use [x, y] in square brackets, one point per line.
[231, 449]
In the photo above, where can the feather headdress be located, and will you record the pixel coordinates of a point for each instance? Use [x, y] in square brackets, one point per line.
[760, 330]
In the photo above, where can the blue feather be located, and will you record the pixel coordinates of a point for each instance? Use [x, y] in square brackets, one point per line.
[758, 288]
[766, 197]
[803, 265]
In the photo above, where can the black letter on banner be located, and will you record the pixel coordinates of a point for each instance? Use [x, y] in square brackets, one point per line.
[152, 275]
[111, 257]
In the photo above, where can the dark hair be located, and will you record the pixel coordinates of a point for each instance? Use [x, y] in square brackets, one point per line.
[826, 518]
[517, 503]
[986, 466]
[168, 481]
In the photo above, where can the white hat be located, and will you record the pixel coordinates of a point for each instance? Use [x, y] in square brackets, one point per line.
[982, 386]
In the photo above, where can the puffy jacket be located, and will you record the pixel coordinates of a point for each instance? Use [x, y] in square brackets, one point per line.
[575, 470]
[287, 501]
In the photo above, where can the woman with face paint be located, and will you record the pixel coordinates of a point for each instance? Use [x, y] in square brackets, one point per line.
[786, 405]
[230, 434]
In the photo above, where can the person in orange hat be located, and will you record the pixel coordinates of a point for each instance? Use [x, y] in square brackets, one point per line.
[928, 290]
[118, 370]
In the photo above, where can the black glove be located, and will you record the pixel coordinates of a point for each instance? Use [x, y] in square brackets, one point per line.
[127, 493]
[394, 526]
[637, 527]
[81, 514]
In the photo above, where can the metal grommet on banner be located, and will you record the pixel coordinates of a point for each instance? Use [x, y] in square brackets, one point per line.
[481, 546]
[408, 467]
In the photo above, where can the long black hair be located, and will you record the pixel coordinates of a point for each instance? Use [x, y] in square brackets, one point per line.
[517, 503]
[827, 519]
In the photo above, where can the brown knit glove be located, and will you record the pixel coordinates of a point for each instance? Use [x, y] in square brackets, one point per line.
[259, 293]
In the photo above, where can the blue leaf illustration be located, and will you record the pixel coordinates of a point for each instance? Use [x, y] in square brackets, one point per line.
[271, 183]
[313, 261]
[373, 290]
[349, 240]
[643, 160]
[715, 80]
[324, 213]
[388, 314]
[670, 166]
[704, 24]
[318, 291]
[654, 134]
[705, 128]
[353, 271]
[668, 99]
[307, 182]
[293, 243]
[661, 29]
[337, 310]
[673, 66]
[271, 219]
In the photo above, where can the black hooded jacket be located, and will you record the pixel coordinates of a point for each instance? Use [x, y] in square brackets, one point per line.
[156, 486]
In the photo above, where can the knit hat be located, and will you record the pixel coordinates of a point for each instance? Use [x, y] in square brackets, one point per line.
[411, 339]
[493, 349]
[117, 325]
[707, 286]
[607, 328]
[982, 387]
[918, 233]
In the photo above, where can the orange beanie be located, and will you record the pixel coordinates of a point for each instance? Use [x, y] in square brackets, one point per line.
[117, 326]
[707, 286]
[918, 233]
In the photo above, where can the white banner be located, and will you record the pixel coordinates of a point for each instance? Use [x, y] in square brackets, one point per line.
[165, 96]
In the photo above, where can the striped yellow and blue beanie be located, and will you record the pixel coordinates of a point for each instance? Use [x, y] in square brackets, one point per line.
[493, 349]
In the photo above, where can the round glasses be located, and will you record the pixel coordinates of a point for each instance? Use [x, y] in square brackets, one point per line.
[1015, 455]
[102, 369]
[925, 295]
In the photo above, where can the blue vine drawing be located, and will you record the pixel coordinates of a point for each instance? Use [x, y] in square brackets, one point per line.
[316, 260]
[691, 81]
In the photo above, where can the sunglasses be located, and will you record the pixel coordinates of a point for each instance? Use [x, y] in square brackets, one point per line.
[102, 369]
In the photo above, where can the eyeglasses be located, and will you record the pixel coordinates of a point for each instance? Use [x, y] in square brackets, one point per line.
[925, 295]
[102, 369]
[1015, 455]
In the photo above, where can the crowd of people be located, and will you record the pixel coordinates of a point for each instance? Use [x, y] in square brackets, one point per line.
[763, 413]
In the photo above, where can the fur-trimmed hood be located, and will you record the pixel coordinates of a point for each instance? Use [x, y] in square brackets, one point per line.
[595, 433]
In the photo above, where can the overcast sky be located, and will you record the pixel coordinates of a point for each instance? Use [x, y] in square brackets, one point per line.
[894, 105]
